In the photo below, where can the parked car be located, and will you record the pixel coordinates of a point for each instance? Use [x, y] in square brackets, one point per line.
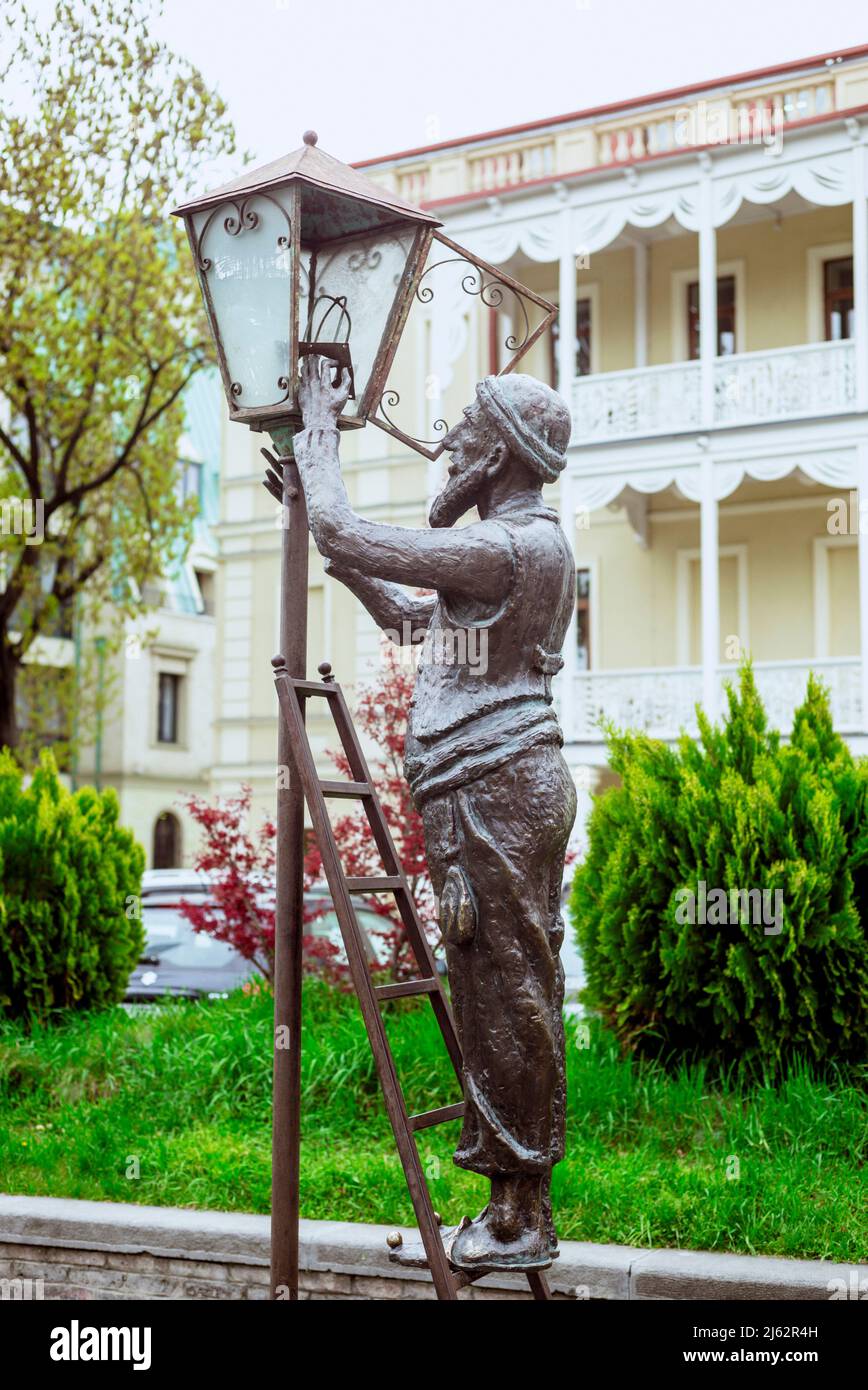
[178, 962]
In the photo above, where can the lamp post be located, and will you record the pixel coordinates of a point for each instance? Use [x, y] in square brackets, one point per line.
[308, 256]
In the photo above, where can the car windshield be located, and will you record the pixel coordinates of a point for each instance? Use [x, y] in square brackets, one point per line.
[170, 936]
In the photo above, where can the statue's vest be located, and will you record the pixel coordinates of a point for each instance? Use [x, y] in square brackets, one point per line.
[483, 688]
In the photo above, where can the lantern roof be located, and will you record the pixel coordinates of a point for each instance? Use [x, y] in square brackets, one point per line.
[319, 172]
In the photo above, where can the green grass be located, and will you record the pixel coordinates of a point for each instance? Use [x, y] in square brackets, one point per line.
[181, 1096]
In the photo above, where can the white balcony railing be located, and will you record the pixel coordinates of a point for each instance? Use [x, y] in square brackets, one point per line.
[787, 384]
[661, 700]
[747, 118]
[744, 120]
[506, 168]
[782, 384]
[650, 400]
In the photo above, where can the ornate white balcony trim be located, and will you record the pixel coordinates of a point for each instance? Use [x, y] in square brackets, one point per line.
[661, 700]
[785, 384]
[652, 400]
[600, 212]
[803, 382]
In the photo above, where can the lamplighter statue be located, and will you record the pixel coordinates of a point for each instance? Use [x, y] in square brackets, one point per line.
[484, 763]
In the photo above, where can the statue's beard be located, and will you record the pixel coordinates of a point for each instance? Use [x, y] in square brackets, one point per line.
[458, 496]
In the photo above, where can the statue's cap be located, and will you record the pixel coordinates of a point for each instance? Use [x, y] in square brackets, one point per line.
[531, 418]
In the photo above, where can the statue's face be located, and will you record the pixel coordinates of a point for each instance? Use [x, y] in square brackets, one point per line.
[469, 444]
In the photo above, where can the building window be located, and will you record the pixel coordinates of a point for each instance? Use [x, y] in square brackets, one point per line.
[838, 298]
[205, 580]
[725, 317]
[189, 480]
[168, 705]
[167, 842]
[584, 328]
[583, 618]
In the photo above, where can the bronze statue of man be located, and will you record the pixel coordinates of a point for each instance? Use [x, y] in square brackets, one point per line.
[484, 763]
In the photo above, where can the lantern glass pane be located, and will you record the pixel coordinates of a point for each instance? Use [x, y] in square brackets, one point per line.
[245, 261]
[346, 293]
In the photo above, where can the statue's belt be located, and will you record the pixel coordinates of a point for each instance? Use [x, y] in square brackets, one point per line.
[445, 762]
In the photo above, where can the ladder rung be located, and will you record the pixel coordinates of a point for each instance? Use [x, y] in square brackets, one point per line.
[346, 789]
[311, 687]
[424, 986]
[384, 884]
[437, 1117]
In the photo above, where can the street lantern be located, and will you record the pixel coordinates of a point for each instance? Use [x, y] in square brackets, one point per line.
[306, 255]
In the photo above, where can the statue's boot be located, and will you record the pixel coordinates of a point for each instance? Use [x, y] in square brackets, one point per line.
[509, 1234]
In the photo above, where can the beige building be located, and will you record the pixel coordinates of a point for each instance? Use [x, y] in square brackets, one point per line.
[708, 250]
[154, 741]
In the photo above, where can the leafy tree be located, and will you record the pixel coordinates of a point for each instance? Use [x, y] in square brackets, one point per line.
[70, 879]
[101, 326]
[676, 959]
[241, 863]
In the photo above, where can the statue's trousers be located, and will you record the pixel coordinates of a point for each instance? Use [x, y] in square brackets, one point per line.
[500, 842]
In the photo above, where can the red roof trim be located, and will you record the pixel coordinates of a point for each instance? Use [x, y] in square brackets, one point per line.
[755, 74]
[480, 195]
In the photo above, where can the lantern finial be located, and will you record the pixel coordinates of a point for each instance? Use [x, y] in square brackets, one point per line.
[310, 137]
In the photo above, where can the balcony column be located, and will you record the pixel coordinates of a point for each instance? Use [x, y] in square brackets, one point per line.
[567, 678]
[640, 304]
[567, 310]
[709, 565]
[707, 295]
[860, 272]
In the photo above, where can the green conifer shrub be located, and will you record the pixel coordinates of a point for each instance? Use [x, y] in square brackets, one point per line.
[737, 809]
[70, 879]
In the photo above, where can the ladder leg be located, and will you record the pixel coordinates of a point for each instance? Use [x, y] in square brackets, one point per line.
[539, 1286]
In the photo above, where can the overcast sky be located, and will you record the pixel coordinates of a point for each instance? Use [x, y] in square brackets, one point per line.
[378, 76]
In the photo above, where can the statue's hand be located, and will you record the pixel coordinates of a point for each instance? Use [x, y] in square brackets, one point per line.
[321, 400]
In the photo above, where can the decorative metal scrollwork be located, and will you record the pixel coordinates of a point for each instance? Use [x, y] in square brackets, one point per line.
[490, 292]
[243, 219]
[391, 398]
[364, 258]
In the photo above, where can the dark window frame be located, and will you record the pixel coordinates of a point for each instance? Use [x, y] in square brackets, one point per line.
[584, 631]
[584, 340]
[836, 296]
[727, 314]
[166, 841]
[168, 711]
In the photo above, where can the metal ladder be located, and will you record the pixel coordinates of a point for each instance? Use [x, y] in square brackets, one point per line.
[292, 694]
